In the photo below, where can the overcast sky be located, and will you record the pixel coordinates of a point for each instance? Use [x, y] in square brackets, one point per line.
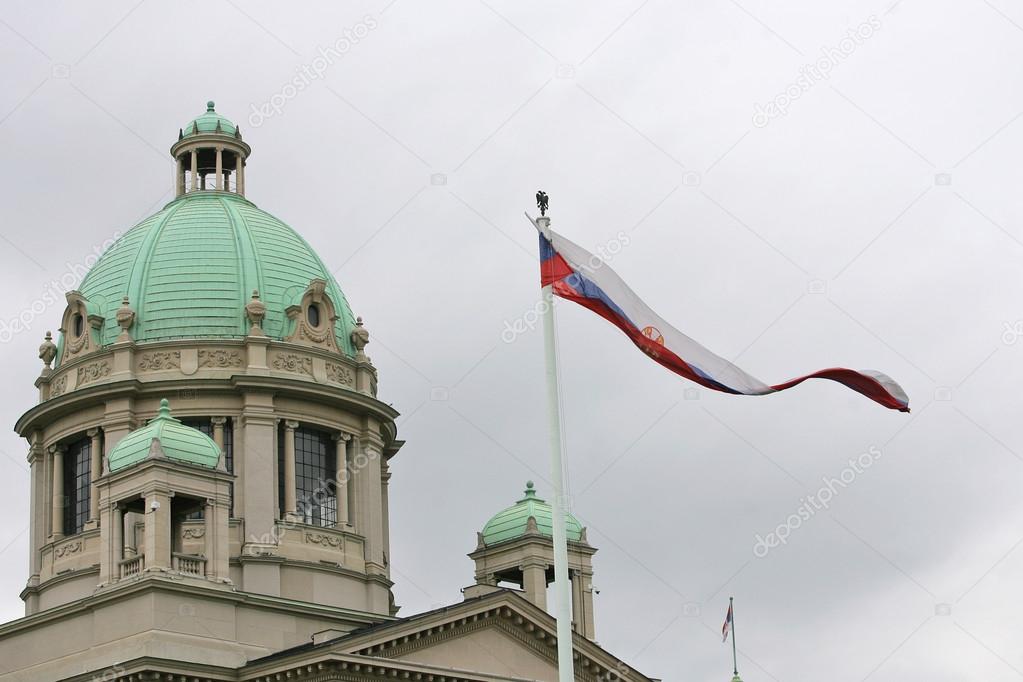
[792, 197]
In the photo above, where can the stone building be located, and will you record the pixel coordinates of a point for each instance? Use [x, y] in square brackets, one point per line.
[209, 476]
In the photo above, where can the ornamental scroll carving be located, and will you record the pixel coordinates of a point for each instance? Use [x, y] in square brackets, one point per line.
[314, 329]
[59, 386]
[340, 374]
[68, 549]
[151, 362]
[291, 362]
[92, 372]
[330, 541]
[194, 533]
[220, 358]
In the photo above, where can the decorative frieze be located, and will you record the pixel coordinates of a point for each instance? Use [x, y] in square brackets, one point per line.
[93, 372]
[220, 357]
[324, 540]
[160, 360]
[340, 374]
[68, 548]
[292, 362]
[58, 386]
[194, 533]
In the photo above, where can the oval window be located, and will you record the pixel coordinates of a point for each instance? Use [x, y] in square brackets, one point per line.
[77, 325]
[313, 315]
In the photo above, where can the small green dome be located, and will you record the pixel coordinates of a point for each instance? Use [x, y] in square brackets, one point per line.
[189, 270]
[177, 441]
[207, 123]
[513, 522]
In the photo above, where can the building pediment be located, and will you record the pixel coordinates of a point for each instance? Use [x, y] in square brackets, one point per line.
[501, 634]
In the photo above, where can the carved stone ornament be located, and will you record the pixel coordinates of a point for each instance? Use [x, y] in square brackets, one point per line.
[93, 372]
[194, 533]
[68, 549]
[292, 362]
[324, 540]
[340, 374]
[220, 357]
[48, 350]
[321, 333]
[125, 319]
[79, 327]
[158, 360]
[255, 311]
[58, 386]
[360, 337]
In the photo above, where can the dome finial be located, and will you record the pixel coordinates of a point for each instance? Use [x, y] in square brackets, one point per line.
[209, 106]
[165, 408]
[530, 492]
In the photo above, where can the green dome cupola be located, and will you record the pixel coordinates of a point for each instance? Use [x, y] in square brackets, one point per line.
[173, 439]
[514, 522]
[190, 270]
[210, 122]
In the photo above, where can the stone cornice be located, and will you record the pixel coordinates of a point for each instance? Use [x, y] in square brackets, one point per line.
[121, 590]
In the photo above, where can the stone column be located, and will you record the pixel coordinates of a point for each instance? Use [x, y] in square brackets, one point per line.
[158, 531]
[582, 603]
[95, 471]
[220, 168]
[57, 520]
[195, 169]
[179, 176]
[37, 518]
[534, 583]
[290, 507]
[385, 523]
[218, 431]
[116, 531]
[342, 479]
[239, 174]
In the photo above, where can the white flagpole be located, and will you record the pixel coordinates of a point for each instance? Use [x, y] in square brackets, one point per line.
[563, 613]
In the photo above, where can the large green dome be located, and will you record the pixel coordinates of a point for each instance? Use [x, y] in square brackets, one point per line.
[513, 522]
[176, 441]
[189, 270]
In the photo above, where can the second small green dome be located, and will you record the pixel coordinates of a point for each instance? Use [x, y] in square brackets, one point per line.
[207, 123]
[513, 522]
[177, 441]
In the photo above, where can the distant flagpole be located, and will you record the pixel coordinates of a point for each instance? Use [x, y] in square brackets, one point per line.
[563, 613]
[735, 661]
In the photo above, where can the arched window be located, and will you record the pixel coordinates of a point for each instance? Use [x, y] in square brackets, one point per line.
[77, 477]
[315, 469]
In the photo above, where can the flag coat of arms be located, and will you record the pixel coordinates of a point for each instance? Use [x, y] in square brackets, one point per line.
[727, 627]
[577, 275]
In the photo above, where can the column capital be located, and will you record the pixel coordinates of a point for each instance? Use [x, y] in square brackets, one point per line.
[218, 421]
[342, 436]
[57, 447]
[92, 433]
[290, 425]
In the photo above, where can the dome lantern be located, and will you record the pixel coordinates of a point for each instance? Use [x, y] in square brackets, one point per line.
[210, 155]
[516, 547]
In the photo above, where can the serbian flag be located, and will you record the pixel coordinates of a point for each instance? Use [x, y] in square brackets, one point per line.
[727, 627]
[579, 276]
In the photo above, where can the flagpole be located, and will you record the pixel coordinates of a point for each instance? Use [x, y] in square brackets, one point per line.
[563, 613]
[735, 664]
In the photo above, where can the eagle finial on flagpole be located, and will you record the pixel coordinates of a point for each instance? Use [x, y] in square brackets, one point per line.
[541, 201]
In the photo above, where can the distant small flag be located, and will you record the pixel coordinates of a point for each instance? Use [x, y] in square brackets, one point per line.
[727, 627]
